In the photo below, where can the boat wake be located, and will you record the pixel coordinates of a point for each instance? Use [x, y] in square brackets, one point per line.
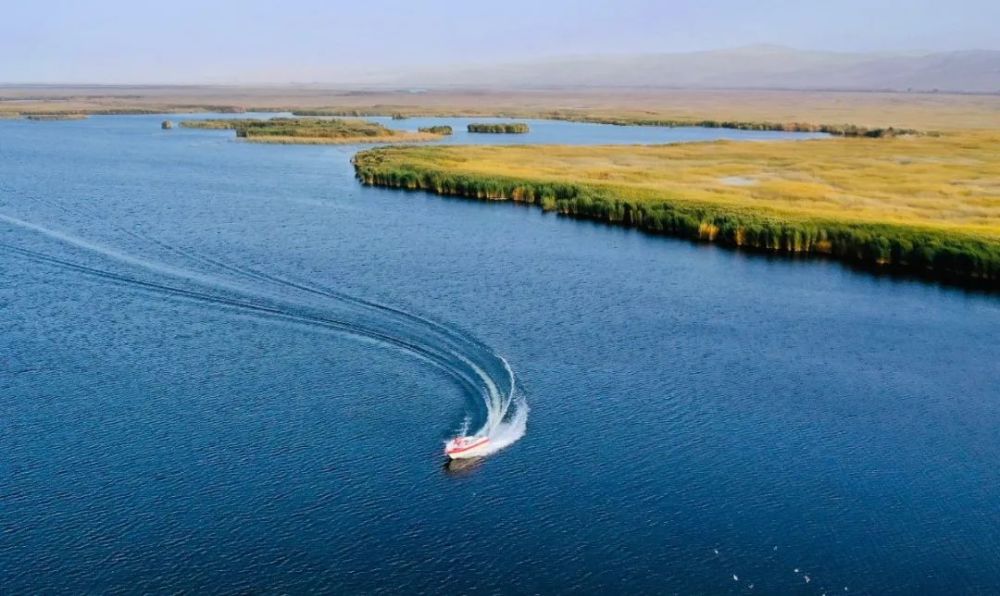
[498, 410]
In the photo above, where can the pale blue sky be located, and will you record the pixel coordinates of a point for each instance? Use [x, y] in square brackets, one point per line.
[116, 41]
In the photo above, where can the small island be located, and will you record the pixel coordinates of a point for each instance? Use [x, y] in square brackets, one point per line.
[511, 128]
[437, 130]
[56, 116]
[311, 131]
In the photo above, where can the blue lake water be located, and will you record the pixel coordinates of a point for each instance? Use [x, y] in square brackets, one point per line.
[228, 367]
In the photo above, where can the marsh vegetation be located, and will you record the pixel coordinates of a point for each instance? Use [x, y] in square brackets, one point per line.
[309, 130]
[437, 130]
[924, 204]
[502, 128]
[837, 130]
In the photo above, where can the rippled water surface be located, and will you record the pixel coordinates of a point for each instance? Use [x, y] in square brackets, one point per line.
[227, 367]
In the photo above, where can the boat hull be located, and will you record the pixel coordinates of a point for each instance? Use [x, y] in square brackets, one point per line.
[467, 449]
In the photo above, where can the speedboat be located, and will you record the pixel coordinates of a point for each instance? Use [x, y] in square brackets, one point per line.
[464, 447]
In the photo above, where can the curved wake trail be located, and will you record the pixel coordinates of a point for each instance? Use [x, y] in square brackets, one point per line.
[484, 375]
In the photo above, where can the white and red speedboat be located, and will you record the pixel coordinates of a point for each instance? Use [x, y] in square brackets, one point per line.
[465, 447]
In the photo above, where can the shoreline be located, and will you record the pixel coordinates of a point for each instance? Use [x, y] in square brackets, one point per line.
[293, 140]
[934, 253]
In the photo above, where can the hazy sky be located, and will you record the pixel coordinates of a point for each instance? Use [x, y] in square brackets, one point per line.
[114, 41]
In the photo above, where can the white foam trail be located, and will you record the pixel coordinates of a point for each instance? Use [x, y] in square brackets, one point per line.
[508, 432]
[107, 251]
[506, 411]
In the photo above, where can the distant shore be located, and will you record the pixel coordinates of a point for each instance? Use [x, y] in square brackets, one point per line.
[869, 110]
[54, 116]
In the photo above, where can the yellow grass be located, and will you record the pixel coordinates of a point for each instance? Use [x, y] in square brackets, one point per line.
[951, 182]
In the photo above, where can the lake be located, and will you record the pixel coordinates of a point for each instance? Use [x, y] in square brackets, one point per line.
[230, 368]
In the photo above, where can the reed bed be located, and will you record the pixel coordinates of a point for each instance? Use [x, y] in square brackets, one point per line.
[929, 205]
[505, 128]
[310, 131]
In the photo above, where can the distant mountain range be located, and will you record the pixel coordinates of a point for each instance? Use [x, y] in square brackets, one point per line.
[753, 67]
